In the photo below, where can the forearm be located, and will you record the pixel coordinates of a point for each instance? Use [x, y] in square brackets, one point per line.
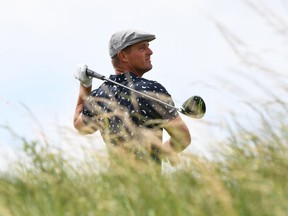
[180, 141]
[83, 94]
[179, 135]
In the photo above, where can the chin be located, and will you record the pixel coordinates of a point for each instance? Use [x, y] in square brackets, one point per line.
[149, 68]
[145, 69]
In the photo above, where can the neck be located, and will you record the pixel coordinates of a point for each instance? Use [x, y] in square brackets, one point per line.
[121, 71]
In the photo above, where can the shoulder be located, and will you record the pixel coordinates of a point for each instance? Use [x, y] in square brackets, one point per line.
[103, 90]
[150, 85]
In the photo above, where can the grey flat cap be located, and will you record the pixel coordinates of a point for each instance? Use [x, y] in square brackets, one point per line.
[122, 39]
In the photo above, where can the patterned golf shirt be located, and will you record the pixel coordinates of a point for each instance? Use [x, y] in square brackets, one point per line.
[122, 115]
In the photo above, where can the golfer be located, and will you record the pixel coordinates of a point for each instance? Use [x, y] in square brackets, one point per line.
[130, 122]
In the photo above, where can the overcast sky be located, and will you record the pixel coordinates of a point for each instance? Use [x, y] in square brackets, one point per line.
[198, 49]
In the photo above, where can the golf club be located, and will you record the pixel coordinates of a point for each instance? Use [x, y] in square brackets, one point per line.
[193, 107]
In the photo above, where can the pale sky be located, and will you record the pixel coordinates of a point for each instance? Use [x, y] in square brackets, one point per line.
[42, 41]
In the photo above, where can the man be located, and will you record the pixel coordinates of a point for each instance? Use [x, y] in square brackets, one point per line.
[125, 119]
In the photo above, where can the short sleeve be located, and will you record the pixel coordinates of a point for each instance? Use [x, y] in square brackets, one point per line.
[156, 109]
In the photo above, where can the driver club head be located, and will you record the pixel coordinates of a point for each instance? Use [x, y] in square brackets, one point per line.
[194, 107]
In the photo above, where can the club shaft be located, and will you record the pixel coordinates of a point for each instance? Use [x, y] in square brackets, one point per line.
[99, 76]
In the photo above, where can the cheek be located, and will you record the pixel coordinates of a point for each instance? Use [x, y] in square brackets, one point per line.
[138, 59]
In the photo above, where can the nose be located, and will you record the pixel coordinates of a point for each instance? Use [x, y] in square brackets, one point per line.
[150, 52]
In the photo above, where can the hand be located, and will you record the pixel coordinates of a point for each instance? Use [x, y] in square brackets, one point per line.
[170, 154]
[173, 158]
[80, 74]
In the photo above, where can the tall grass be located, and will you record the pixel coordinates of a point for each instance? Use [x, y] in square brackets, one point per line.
[249, 178]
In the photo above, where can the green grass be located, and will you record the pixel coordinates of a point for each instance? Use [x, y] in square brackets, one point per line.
[248, 179]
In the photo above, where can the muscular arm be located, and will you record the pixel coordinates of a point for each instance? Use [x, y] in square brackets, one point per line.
[78, 121]
[179, 135]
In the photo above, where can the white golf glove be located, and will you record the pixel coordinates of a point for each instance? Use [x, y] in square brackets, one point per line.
[80, 74]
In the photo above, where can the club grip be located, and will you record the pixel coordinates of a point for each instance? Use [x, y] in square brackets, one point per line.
[94, 74]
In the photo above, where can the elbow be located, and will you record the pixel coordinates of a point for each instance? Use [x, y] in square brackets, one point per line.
[78, 128]
[180, 143]
[81, 128]
[186, 141]
[84, 129]
[77, 125]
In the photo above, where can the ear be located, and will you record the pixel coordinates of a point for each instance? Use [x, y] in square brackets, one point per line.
[123, 56]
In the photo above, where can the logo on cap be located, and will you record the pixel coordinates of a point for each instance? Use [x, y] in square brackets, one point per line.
[117, 45]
